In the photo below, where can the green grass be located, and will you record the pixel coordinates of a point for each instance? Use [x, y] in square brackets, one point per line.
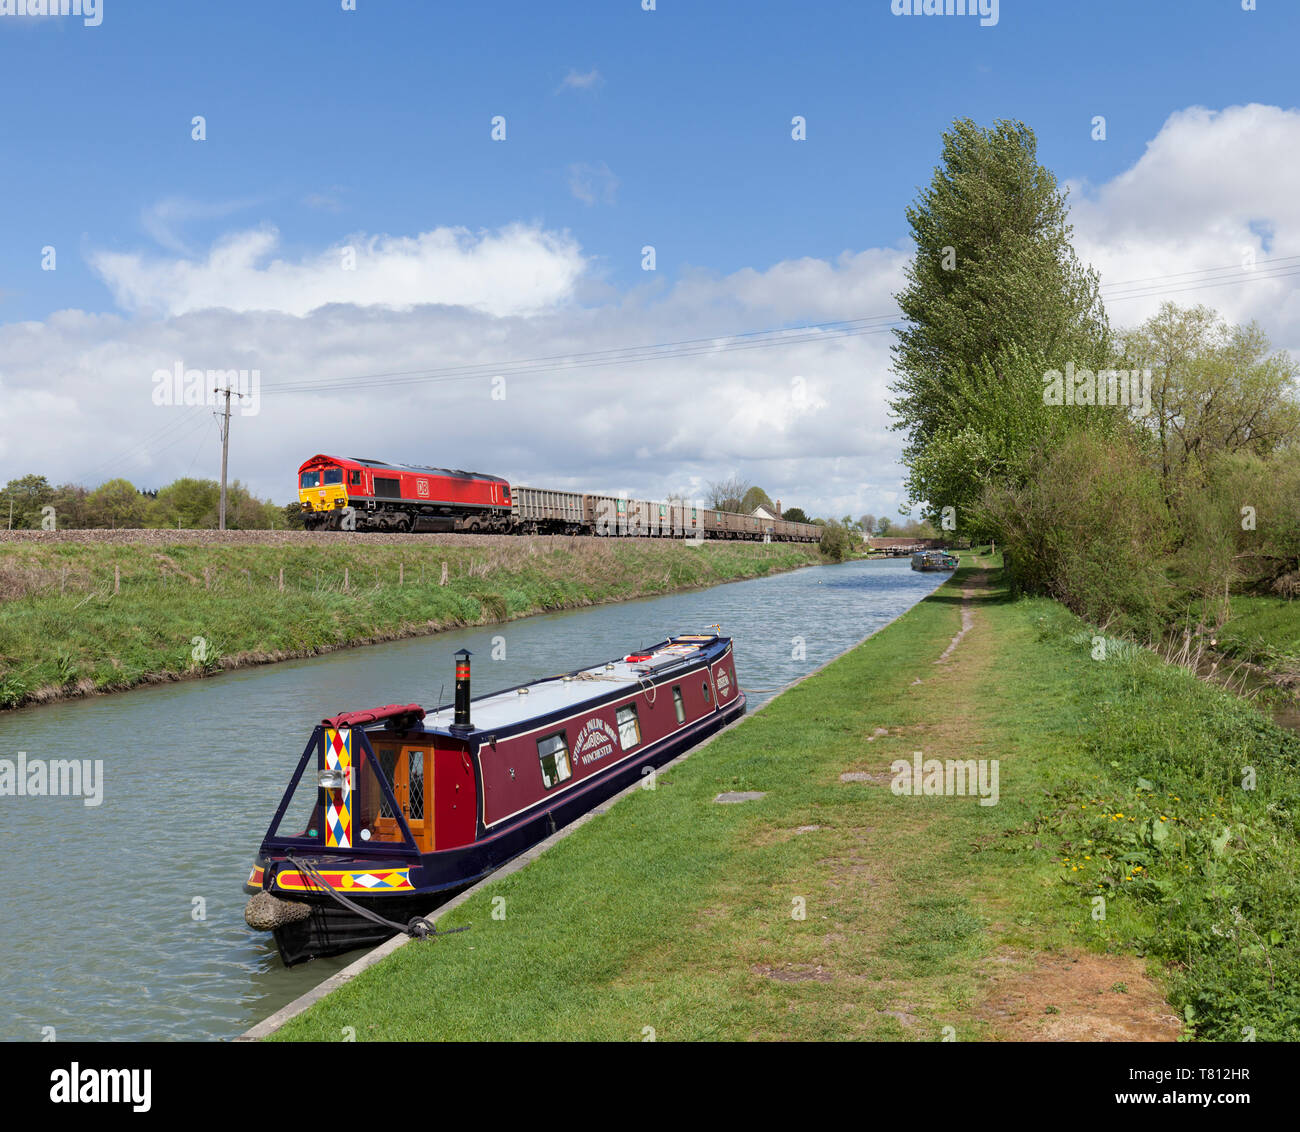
[64, 631]
[1264, 631]
[673, 913]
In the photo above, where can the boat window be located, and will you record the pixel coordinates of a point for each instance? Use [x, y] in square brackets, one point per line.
[372, 817]
[388, 761]
[629, 730]
[333, 475]
[554, 753]
[708, 695]
[415, 784]
[305, 804]
[310, 479]
[679, 704]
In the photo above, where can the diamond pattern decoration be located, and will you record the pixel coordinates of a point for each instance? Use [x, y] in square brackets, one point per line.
[338, 809]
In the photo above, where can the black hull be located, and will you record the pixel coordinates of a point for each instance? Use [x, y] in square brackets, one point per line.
[333, 929]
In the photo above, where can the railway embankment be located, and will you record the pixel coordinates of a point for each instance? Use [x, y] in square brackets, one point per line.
[89, 612]
[987, 821]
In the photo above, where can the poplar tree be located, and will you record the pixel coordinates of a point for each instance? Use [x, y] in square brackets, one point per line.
[995, 297]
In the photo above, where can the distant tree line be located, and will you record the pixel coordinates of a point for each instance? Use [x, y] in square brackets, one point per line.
[31, 502]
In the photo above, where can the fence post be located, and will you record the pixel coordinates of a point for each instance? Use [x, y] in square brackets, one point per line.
[401, 573]
[282, 579]
[444, 575]
[345, 579]
[117, 578]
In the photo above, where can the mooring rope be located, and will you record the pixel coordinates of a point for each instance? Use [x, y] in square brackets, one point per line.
[416, 926]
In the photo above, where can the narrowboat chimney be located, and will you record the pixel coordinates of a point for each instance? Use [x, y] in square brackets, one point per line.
[461, 718]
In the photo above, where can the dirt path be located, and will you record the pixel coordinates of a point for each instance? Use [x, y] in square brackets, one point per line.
[1027, 995]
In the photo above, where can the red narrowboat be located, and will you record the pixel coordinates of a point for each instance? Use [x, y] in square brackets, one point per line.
[403, 809]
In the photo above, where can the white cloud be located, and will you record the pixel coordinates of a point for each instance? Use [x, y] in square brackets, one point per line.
[519, 269]
[593, 182]
[1210, 187]
[75, 390]
[164, 219]
[582, 81]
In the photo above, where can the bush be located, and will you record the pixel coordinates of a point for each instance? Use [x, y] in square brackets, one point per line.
[836, 543]
[1090, 529]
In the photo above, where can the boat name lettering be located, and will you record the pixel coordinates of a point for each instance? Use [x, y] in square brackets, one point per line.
[595, 741]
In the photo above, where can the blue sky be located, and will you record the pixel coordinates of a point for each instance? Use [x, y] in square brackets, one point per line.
[673, 124]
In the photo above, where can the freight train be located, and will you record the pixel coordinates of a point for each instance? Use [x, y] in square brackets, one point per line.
[372, 495]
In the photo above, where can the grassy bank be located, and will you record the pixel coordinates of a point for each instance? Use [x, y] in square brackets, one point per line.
[78, 618]
[835, 908]
[1264, 631]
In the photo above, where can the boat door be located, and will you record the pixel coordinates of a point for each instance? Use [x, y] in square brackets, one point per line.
[409, 770]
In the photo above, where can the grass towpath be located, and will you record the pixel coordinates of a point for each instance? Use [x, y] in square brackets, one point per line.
[835, 908]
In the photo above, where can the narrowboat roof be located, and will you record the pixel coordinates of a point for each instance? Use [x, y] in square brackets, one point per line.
[499, 711]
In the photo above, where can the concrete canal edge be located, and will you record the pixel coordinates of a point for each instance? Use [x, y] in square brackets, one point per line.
[269, 1025]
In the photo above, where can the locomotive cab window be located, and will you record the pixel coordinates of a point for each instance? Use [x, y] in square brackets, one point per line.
[354, 476]
[554, 754]
[333, 475]
[310, 479]
[678, 703]
[629, 730]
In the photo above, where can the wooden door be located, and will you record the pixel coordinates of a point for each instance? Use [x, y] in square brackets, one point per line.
[409, 771]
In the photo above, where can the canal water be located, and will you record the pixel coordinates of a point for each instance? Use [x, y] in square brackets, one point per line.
[125, 920]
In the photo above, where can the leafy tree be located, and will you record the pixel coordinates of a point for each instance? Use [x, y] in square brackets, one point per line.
[883, 526]
[868, 523]
[995, 298]
[795, 515]
[729, 494]
[70, 507]
[115, 504]
[1215, 389]
[25, 497]
[836, 543]
[189, 503]
[754, 498]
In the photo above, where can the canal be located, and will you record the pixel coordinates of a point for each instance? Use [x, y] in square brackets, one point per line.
[124, 920]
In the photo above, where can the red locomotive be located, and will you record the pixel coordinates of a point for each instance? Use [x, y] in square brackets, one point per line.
[370, 495]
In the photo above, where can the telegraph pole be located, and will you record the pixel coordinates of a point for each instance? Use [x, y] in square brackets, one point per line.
[225, 452]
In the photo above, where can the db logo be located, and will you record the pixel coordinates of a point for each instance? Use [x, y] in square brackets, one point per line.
[422, 488]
